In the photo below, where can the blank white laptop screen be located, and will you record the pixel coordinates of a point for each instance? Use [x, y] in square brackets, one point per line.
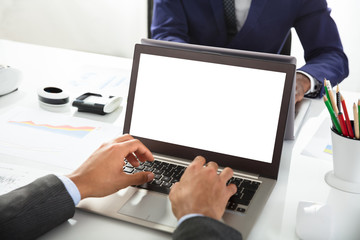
[220, 108]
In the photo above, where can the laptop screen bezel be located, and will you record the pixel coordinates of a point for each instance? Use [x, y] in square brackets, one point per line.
[269, 170]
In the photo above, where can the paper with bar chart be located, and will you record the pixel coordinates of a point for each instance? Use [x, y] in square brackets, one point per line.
[52, 138]
[73, 131]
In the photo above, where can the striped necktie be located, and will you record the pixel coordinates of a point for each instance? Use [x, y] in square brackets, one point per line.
[230, 17]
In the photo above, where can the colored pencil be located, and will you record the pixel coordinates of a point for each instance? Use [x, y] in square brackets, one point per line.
[332, 114]
[326, 89]
[356, 121]
[332, 98]
[342, 124]
[347, 119]
[359, 114]
[338, 104]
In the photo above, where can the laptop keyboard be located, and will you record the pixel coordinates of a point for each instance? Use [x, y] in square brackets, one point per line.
[166, 174]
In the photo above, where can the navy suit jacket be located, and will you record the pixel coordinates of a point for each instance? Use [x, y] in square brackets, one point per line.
[265, 30]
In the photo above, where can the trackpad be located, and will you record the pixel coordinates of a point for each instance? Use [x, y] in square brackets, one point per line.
[149, 206]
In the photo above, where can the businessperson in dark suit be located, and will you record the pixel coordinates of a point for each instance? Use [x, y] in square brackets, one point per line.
[198, 200]
[263, 26]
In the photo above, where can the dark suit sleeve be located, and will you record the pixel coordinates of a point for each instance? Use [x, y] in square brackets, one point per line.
[321, 41]
[169, 21]
[32, 210]
[205, 228]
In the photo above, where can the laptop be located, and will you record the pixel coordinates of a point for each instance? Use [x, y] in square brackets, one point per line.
[185, 103]
[296, 112]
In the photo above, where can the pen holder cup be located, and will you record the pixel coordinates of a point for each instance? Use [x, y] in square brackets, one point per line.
[346, 163]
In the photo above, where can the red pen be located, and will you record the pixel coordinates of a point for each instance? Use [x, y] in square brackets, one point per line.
[347, 119]
[342, 124]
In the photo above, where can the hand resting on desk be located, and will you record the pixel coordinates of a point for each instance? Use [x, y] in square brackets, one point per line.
[302, 86]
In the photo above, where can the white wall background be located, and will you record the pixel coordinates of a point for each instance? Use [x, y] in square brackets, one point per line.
[101, 26]
[113, 27]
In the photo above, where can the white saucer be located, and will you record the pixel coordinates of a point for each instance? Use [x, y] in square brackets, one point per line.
[55, 108]
[340, 184]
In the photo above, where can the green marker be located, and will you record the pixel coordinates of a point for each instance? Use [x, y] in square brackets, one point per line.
[332, 114]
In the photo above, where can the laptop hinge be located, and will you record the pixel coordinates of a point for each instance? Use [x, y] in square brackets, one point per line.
[176, 160]
[246, 175]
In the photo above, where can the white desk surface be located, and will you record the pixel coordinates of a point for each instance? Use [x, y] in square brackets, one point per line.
[301, 178]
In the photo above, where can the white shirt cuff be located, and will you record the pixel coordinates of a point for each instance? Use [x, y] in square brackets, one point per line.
[187, 216]
[71, 188]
